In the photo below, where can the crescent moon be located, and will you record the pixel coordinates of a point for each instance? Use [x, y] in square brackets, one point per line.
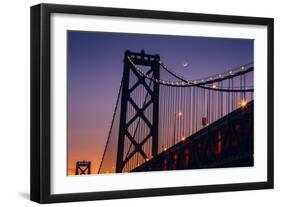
[185, 64]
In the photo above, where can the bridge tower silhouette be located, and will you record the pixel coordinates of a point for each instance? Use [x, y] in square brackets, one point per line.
[152, 63]
[83, 168]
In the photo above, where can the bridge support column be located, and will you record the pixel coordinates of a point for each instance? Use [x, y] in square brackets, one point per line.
[130, 61]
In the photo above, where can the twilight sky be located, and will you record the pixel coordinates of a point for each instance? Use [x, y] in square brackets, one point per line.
[95, 66]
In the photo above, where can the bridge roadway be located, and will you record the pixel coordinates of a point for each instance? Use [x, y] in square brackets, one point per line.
[228, 142]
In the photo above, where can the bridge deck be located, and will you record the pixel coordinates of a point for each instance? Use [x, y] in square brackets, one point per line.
[228, 142]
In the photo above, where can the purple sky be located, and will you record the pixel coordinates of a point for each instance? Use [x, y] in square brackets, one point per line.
[95, 66]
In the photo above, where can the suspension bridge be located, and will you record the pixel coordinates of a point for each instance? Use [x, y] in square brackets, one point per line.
[163, 121]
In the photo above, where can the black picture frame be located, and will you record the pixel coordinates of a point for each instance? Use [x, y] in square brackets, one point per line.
[41, 96]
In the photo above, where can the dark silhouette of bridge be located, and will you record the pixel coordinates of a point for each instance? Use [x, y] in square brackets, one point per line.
[228, 142]
[173, 123]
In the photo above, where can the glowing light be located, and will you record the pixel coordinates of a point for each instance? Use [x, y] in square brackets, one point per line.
[183, 138]
[214, 86]
[243, 103]
[180, 113]
[242, 68]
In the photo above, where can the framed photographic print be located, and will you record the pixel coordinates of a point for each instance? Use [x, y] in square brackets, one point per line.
[132, 103]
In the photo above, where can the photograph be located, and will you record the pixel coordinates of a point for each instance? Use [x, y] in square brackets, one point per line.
[129, 103]
[152, 102]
